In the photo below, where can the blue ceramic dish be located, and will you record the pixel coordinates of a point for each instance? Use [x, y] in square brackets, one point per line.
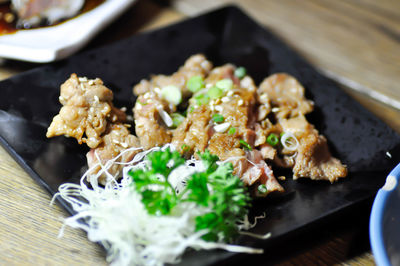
[384, 229]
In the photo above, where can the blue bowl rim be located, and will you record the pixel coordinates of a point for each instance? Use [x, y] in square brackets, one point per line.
[376, 219]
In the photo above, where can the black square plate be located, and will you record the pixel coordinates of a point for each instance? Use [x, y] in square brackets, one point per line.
[30, 100]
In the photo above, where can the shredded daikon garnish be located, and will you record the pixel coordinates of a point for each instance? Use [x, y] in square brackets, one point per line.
[118, 217]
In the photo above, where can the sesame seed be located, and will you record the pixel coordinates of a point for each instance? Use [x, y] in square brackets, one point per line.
[123, 109]
[83, 79]
[240, 102]
[264, 97]
[225, 99]
[218, 108]
[96, 99]
[9, 17]
[245, 82]
[91, 82]
[230, 93]
[275, 109]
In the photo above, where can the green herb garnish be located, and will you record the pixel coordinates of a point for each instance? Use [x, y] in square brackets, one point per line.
[215, 92]
[262, 189]
[202, 99]
[245, 145]
[232, 131]
[218, 118]
[272, 139]
[177, 119]
[172, 94]
[215, 188]
[240, 72]
[157, 193]
[224, 84]
[195, 83]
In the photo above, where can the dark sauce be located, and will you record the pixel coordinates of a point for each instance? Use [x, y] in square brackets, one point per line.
[8, 19]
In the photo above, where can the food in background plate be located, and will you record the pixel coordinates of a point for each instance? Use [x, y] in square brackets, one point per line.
[201, 108]
[26, 14]
[31, 13]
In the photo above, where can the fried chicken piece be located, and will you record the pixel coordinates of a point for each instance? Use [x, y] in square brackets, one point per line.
[117, 145]
[87, 109]
[286, 96]
[196, 65]
[193, 134]
[312, 158]
[152, 112]
[198, 132]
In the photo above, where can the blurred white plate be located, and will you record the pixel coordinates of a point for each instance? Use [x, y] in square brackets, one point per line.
[56, 42]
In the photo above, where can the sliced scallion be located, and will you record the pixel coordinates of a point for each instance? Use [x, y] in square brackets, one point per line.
[245, 145]
[232, 131]
[202, 99]
[289, 141]
[195, 83]
[172, 94]
[272, 139]
[215, 92]
[218, 118]
[262, 189]
[224, 84]
[240, 72]
[177, 119]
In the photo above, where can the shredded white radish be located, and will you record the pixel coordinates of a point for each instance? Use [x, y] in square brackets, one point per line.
[115, 216]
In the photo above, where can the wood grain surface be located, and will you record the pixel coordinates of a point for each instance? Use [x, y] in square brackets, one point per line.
[357, 42]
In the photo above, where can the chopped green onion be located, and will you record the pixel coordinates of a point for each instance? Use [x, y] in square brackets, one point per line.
[232, 131]
[289, 141]
[215, 92]
[272, 139]
[202, 99]
[245, 145]
[185, 147]
[191, 109]
[218, 118]
[177, 119]
[172, 94]
[262, 189]
[224, 84]
[240, 72]
[194, 84]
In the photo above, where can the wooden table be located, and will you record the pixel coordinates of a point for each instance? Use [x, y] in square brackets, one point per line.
[355, 42]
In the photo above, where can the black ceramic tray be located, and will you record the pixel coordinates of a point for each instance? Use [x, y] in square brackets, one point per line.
[30, 100]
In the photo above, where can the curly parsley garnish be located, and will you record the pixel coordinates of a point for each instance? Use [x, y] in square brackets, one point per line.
[215, 188]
